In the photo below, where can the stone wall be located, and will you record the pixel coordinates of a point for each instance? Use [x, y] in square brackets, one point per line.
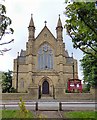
[78, 96]
[16, 96]
[66, 97]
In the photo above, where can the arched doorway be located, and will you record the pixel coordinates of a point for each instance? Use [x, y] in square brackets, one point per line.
[45, 87]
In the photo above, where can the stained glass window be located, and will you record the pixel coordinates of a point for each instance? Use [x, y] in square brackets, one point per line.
[45, 57]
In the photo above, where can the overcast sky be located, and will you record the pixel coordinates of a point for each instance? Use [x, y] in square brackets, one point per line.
[20, 12]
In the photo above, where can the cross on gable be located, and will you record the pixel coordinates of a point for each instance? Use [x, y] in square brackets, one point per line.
[45, 22]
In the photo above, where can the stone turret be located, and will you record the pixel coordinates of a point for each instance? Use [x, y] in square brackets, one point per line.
[30, 49]
[31, 39]
[59, 30]
[31, 29]
[60, 49]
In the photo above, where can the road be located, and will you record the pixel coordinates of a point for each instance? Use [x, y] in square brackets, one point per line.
[50, 105]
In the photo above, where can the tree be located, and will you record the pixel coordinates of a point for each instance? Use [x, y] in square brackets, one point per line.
[6, 81]
[5, 22]
[89, 65]
[81, 25]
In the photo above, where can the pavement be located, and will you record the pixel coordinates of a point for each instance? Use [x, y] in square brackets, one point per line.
[48, 114]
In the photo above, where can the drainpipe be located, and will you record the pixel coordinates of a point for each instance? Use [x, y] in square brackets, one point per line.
[17, 72]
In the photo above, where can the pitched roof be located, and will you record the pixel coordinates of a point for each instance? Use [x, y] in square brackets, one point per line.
[45, 29]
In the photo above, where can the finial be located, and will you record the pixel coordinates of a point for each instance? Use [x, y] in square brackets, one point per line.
[59, 15]
[45, 22]
[31, 24]
[72, 55]
[17, 53]
[31, 15]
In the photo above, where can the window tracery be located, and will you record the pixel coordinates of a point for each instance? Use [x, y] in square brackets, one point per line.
[45, 57]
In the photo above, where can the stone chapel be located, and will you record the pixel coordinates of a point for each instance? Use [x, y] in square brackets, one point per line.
[45, 66]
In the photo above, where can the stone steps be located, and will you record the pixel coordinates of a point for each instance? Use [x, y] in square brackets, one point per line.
[45, 96]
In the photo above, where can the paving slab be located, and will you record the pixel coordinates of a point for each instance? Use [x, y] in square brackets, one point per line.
[48, 114]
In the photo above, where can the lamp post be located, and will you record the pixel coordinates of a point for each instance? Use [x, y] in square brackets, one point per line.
[73, 65]
[73, 69]
[17, 72]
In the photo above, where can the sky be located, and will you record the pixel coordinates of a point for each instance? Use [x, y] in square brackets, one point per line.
[43, 10]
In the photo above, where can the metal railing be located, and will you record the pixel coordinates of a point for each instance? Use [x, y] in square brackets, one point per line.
[59, 106]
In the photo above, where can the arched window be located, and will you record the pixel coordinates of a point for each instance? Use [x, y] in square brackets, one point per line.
[45, 57]
[22, 83]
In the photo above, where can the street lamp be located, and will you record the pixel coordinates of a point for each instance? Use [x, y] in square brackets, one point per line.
[73, 65]
[17, 72]
[73, 69]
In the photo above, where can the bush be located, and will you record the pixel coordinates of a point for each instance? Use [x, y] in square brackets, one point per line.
[66, 91]
[23, 112]
[12, 90]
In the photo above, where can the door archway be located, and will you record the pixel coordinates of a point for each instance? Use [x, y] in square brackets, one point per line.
[45, 87]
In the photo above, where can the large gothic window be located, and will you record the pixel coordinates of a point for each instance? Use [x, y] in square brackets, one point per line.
[45, 57]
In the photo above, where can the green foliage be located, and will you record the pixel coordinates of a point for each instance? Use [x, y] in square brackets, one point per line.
[6, 81]
[66, 91]
[81, 114]
[12, 90]
[23, 112]
[81, 25]
[8, 114]
[86, 88]
[89, 65]
[42, 117]
[5, 22]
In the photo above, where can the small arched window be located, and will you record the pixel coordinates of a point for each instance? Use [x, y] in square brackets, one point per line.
[22, 83]
[45, 57]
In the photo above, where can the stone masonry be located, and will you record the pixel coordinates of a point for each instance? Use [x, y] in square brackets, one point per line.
[45, 66]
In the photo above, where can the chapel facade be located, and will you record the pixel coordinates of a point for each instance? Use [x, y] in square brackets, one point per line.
[45, 66]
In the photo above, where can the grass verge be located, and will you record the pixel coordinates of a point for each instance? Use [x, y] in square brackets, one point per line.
[15, 114]
[81, 115]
